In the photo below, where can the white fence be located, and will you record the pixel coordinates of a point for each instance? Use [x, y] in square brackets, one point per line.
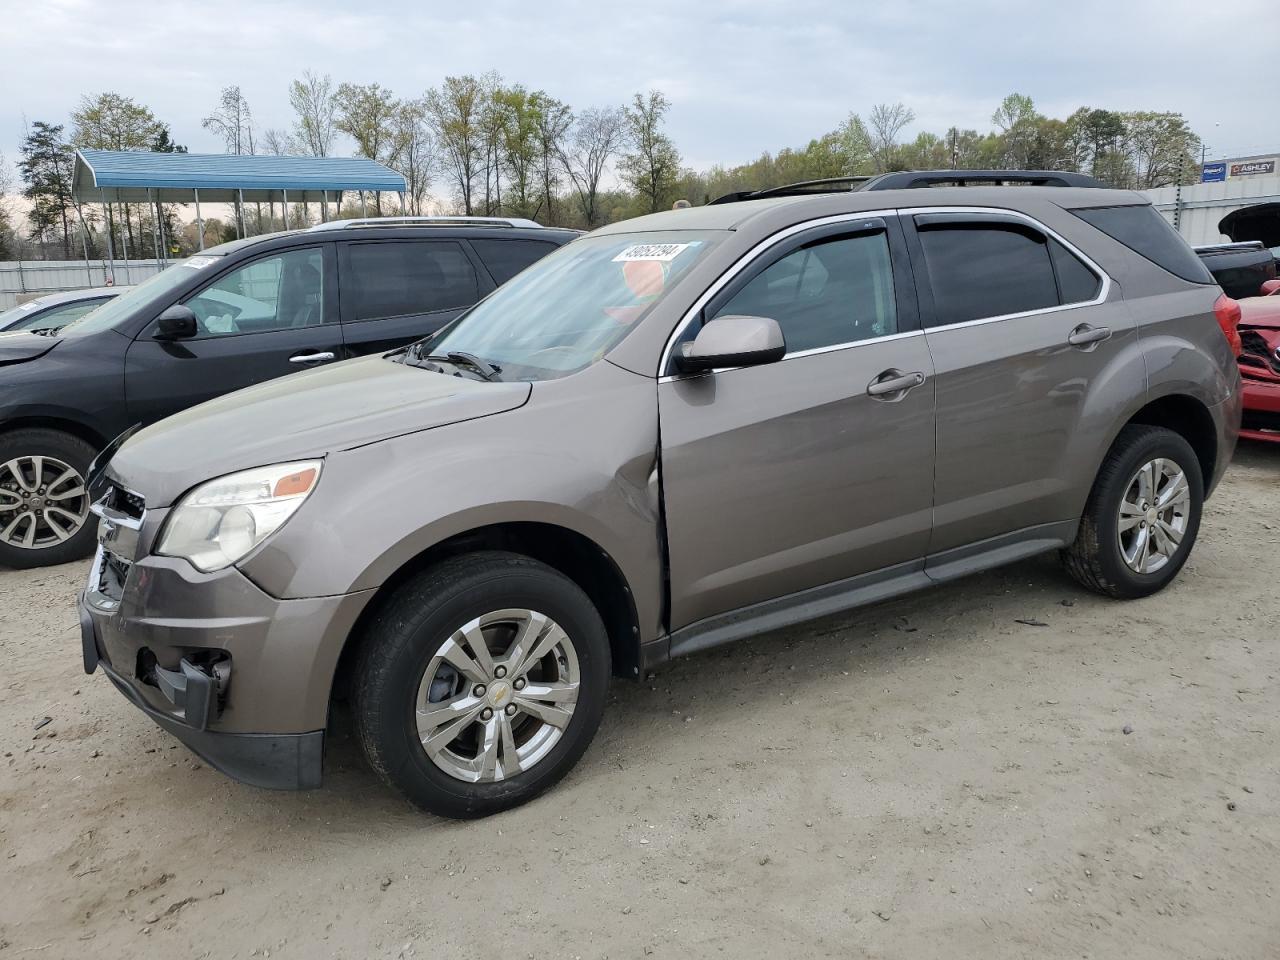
[1197, 208]
[22, 279]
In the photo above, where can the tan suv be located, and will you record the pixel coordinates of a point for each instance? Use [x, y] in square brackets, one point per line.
[669, 434]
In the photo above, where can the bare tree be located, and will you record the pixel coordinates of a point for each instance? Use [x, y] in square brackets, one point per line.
[415, 152]
[233, 121]
[884, 124]
[552, 120]
[277, 143]
[597, 136]
[313, 101]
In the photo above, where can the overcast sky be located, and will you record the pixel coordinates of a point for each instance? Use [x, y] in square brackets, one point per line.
[742, 77]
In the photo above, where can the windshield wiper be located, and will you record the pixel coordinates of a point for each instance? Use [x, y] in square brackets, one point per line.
[486, 370]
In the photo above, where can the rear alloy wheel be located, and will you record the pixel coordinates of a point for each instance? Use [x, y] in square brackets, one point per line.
[44, 498]
[1142, 515]
[480, 682]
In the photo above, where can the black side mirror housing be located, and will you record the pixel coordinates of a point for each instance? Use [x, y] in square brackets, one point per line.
[732, 341]
[176, 323]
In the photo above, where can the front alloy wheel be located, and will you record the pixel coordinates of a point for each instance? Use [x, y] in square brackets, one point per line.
[480, 682]
[498, 695]
[43, 502]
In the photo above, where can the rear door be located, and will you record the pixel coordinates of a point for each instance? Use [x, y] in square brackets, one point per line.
[803, 472]
[264, 318]
[1019, 326]
[395, 291]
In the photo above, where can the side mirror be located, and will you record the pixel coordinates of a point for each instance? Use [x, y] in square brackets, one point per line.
[176, 323]
[733, 341]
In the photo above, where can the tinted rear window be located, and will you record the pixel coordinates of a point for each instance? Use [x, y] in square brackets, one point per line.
[396, 278]
[1145, 232]
[986, 270]
[506, 258]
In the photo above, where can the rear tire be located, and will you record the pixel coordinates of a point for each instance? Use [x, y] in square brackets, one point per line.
[1142, 516]
[44, 500]
[465, 734]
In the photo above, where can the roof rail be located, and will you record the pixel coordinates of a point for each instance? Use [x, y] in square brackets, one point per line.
[794, 189]
[909, 179]
[429, 222]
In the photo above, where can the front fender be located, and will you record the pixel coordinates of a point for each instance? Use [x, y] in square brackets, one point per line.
[584, 467]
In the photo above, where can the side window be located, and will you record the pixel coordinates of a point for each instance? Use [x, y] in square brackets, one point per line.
[274, 293]
[1148, 234]
[979, 270]
[1076, 282]
[505, 258]
[827, 293]
[397, 278]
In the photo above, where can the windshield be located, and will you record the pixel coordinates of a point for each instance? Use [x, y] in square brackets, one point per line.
[113, 311]
[570, 308]
[10, 318]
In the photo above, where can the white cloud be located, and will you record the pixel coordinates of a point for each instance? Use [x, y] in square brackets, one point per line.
[743, 77]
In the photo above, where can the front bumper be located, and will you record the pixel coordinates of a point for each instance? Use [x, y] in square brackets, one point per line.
[288, 761]
[1261, 409]
[239, 676]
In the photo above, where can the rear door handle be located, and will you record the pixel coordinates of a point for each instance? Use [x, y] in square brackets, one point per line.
[893, 383]
[313, 356]
[1084, 335]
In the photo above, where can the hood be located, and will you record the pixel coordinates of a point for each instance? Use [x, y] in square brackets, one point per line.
[19, 346]
[1260, 311]
[298, 417]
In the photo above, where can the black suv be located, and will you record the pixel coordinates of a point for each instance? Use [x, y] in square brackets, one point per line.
[234, 315]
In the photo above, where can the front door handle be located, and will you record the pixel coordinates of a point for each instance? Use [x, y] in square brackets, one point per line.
[893, 383]
[1084, 335]
[312, 356]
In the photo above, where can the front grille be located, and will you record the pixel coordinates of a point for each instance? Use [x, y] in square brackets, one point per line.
[1256, 352]
[126, 502]
[112, 575]
[1260, 420]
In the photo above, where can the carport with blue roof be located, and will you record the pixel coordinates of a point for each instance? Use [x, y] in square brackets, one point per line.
[132, 176]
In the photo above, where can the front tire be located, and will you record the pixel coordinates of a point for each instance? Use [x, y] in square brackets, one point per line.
[44, 498]
[480, 683]
[1142, 516]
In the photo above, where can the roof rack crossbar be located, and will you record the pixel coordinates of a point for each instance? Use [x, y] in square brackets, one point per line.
[442, 221]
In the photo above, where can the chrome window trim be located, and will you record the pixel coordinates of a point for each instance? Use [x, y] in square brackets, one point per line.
[773, 240]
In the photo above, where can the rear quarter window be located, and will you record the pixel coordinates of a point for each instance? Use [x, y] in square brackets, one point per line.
[505, 258]
[1140, 228]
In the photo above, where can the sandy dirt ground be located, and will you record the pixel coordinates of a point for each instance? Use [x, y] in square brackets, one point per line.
[924, 778]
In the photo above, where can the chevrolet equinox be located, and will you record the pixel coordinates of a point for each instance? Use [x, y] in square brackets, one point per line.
[672, 433]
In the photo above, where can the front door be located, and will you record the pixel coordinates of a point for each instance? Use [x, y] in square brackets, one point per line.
[263, 319]
[1020, 328]
[802, 472]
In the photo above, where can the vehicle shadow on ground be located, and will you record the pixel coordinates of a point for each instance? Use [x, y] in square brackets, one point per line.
[814, 659]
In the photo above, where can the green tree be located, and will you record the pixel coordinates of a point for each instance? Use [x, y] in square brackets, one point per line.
[651, 164]
[552, 120]
[370, 115]
[455, 113]
[46, 168]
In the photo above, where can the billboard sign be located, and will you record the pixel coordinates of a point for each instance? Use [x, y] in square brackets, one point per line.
[1253, 168]
[1213, 173]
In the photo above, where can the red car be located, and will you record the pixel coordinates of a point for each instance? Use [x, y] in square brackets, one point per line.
[1260, 363]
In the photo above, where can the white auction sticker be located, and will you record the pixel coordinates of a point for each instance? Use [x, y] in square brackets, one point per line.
[197, 263]
[662, 252]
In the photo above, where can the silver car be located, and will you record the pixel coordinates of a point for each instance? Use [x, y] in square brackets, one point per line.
[55, 310]
[672, 433]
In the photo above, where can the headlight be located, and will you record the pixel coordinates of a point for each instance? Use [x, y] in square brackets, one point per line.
[219, 522]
